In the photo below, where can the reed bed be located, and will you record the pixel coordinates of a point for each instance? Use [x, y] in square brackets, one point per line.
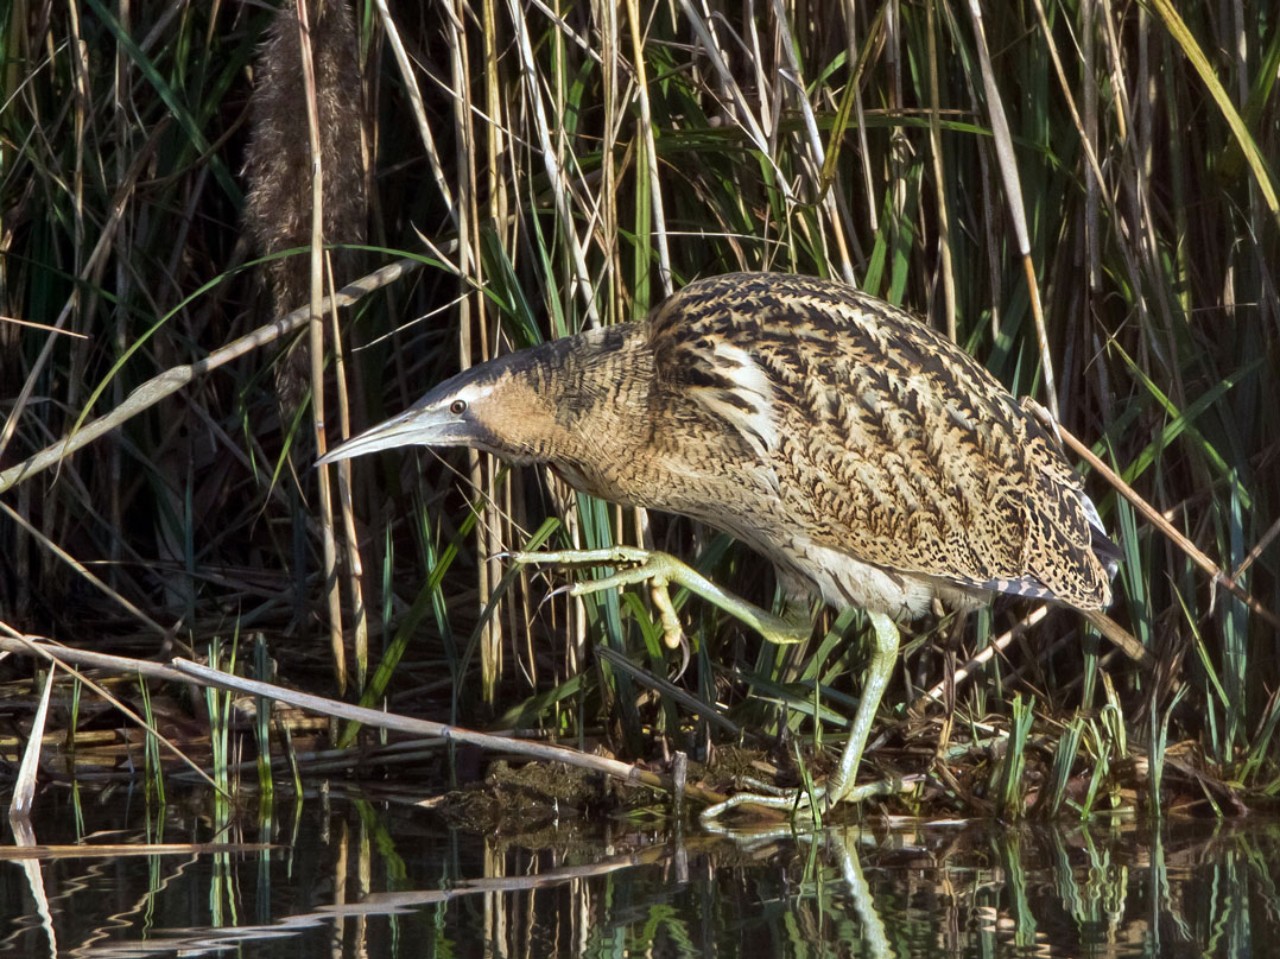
[1082, 194]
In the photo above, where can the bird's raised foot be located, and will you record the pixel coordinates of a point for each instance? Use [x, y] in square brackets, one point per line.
[661, 570]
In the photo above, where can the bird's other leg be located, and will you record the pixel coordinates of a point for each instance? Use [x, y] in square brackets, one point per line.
[840, 786]
[884, 653]
[661, 570]
[797, 600]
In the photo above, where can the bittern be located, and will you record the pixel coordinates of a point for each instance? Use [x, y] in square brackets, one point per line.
[873, 461]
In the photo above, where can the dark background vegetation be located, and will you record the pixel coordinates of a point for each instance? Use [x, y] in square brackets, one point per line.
[577, 163]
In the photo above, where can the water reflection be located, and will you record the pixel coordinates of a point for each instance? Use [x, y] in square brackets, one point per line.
[355, 878]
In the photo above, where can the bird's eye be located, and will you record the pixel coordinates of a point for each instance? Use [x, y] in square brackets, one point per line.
[458, 407]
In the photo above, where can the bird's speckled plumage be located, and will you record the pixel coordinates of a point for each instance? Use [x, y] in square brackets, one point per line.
[884, 445]
[859, 450]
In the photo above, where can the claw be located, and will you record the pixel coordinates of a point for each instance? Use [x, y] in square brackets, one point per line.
[672, 633]
[684, 659]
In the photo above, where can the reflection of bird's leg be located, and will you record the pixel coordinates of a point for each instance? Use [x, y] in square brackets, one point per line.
[840, 787]
[874, 935]
[661, 570]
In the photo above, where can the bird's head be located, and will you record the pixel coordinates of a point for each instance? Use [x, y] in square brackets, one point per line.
[493, 407]
[523, 407]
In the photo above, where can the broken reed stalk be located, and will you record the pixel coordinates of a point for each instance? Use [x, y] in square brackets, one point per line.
[186, 671]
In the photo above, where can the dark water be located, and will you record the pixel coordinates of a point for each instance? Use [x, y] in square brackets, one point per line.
[356, 878]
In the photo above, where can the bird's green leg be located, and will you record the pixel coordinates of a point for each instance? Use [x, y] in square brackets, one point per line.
[884, 653]
[840, 787]
[661, 570]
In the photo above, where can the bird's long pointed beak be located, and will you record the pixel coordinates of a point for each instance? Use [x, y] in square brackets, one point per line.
[416, 426]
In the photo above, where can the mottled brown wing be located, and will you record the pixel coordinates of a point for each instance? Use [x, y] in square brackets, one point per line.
[888, 442]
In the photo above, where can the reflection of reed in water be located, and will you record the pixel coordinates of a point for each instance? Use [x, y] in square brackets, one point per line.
[331, 872]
